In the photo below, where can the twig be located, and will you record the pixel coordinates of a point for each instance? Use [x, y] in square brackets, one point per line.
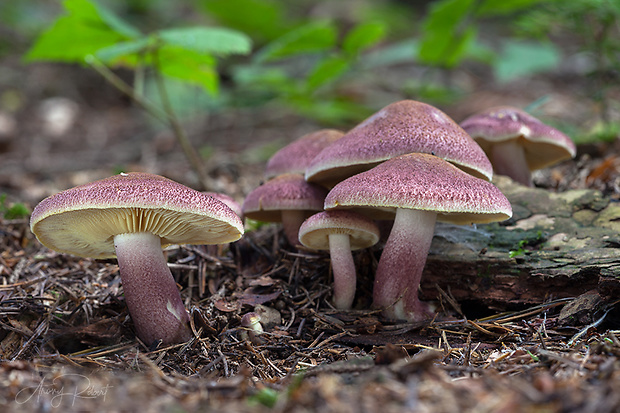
[588, 327]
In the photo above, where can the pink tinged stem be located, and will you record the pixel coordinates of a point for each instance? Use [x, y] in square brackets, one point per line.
[343, 268]
[291, 221]
[152, 296]
[508, 158]
[401, 265]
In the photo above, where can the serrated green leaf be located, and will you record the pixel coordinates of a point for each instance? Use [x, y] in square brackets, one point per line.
[326, 71]
[519, 59]
[85, 29]
[363, 36]
[209, 40]
[310, 38]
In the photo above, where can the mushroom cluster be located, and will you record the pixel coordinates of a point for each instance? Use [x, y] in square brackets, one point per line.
[408, 163]
[286, 196]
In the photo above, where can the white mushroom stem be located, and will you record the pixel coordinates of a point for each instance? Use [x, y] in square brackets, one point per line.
[343, 268]
[508, 158]
[291, 221]
[152, 296]
[401, 265]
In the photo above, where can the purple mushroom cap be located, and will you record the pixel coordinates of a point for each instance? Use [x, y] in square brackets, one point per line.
[517, 142]
[131, 217]
[402, 127]
[287, 198]
[419, 189]
[297, 155]
[340, 232]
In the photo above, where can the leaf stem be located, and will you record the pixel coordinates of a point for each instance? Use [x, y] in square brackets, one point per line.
[166, 115]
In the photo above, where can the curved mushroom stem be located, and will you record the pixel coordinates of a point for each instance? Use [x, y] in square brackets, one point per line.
[401, 265]
[152, 296]
[291, 221]
[508, 158]
[343, 268]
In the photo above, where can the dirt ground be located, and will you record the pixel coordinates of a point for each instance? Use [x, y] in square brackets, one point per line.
[68, 344]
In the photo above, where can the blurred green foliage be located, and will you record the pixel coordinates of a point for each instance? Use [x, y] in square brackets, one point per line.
[590, 28]
[12, 210]
[317, 57]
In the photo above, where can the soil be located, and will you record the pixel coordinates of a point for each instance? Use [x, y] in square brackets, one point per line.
[527, 315]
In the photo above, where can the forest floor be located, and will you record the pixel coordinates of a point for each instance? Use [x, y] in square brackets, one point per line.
[67, 342]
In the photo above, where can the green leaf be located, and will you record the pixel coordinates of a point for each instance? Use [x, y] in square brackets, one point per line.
[86, 28]
[505, 7]
[392, 54]
[261, 19]
[123, 51]
[363, 36]
[444, 39]
[327, 70]
[113, 21]
[519, 59]
[209, 40]
[312, 37]
[189, 66]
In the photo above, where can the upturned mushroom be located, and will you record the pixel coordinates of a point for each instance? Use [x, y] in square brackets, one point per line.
[402, 127]
[131, 216]
[517, 143]
[287, 198]
[340, 232]
[295, 157]
[418, 190]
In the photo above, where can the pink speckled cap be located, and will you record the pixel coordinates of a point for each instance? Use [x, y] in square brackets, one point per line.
[362, 231]
[296, 156]
[84, 220]
[403, 127]
[284, 192]
[543, 145]
[425, 182]
[228, 200]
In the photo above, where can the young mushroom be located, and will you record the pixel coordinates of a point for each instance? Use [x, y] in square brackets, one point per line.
[402, 127]
[340, 232]
[131, 217]
[518, 143]
[295, 157]
[287, 198]
[418, 189]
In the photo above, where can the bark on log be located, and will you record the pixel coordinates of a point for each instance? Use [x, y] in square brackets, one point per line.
[556, 245]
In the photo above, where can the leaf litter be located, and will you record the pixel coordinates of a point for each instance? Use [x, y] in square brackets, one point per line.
[67, 341]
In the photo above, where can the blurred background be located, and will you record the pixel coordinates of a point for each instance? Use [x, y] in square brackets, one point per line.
[88, 89]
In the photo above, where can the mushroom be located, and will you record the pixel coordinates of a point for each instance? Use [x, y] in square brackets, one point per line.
[518, 143]
[402, 127]
[287, 198]
[419, 189]
[228, 200]
[297, 155]
[252, 328]
[217, 250]
[340, 232]
[132, 216]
